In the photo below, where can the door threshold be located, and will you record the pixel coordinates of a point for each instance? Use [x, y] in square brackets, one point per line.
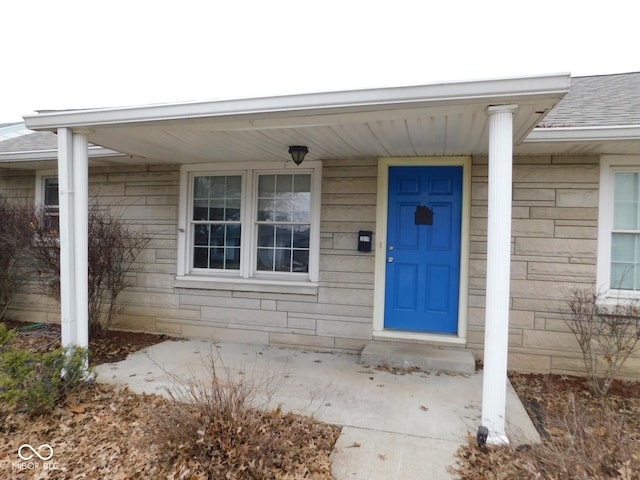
[425, 358]
[450, 339]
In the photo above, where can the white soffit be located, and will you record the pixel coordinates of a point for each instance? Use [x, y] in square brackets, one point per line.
[438, 119]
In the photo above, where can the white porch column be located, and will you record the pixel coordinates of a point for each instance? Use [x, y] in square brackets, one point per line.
[74, 271]
[68, 319]
[81, 244]
[494, 387]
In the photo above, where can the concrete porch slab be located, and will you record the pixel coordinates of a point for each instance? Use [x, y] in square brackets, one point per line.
[426, 358]
[395, 426]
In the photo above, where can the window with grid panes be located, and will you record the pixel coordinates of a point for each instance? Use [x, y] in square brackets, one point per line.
[253, 222]
[51, 202]
[216, 222]
[283, 222]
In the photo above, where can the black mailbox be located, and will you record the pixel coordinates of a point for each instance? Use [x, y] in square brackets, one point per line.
[364, 240]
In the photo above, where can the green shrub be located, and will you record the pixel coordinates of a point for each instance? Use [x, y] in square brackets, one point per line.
[6, 335]
[34, 382]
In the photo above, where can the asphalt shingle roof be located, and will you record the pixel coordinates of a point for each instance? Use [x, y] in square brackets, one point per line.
[34, 141]
[598, 101]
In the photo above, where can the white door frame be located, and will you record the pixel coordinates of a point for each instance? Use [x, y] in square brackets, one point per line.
[381, 248]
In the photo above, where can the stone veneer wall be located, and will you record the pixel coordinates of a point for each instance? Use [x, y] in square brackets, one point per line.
[554, 236]
[553, 248]
[17, 186]
[337, 317]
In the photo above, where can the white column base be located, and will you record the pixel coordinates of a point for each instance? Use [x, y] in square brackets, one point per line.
[496, 438]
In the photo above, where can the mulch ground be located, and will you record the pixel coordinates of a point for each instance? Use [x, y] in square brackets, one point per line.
[583, 437]
[113, 346]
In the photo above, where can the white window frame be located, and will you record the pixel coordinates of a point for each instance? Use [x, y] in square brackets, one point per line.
[609, 166]
[248, 277]
[41, 177]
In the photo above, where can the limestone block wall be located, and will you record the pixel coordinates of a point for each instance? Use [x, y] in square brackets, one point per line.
[17, 186]
[337, 316]
[553, 248]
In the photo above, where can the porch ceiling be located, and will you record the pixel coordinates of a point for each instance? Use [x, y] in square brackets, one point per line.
[430, 120]
[423, 132]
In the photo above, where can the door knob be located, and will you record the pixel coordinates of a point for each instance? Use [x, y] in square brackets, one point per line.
[390, 259]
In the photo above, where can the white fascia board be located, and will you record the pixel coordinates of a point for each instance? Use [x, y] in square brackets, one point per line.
[494, 91]
[35, 155]
[584, 134]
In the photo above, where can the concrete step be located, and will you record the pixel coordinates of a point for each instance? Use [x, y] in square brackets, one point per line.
[426, 358]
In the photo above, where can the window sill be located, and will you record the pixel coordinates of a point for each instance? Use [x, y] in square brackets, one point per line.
[247, 285]
[615, 297]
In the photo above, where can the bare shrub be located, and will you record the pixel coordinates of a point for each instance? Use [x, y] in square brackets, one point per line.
[45, 250]
[15, 259]
[113, 248]
[595, 444]
[606, 333]
[225, 424]
[586, 444]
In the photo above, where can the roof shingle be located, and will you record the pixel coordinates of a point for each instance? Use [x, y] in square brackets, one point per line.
[598, 101]
[34, 141]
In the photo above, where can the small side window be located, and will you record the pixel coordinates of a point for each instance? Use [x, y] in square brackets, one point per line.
[619, 226]
[48, 197]
[51, 203]
[625, 236]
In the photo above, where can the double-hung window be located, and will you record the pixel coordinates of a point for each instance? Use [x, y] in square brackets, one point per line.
[47, 197]
[619, 227]
[249, 223]
[215, 222]
[283, 222]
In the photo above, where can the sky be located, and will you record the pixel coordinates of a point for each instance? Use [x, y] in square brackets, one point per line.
[68, 54]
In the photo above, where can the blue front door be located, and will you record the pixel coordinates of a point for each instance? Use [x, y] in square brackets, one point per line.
[423, 249]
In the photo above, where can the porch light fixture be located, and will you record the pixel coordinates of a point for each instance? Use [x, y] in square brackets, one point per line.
[297, 153]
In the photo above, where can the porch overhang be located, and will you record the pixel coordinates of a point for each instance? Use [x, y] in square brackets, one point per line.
[429, 120]
[465, 118]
